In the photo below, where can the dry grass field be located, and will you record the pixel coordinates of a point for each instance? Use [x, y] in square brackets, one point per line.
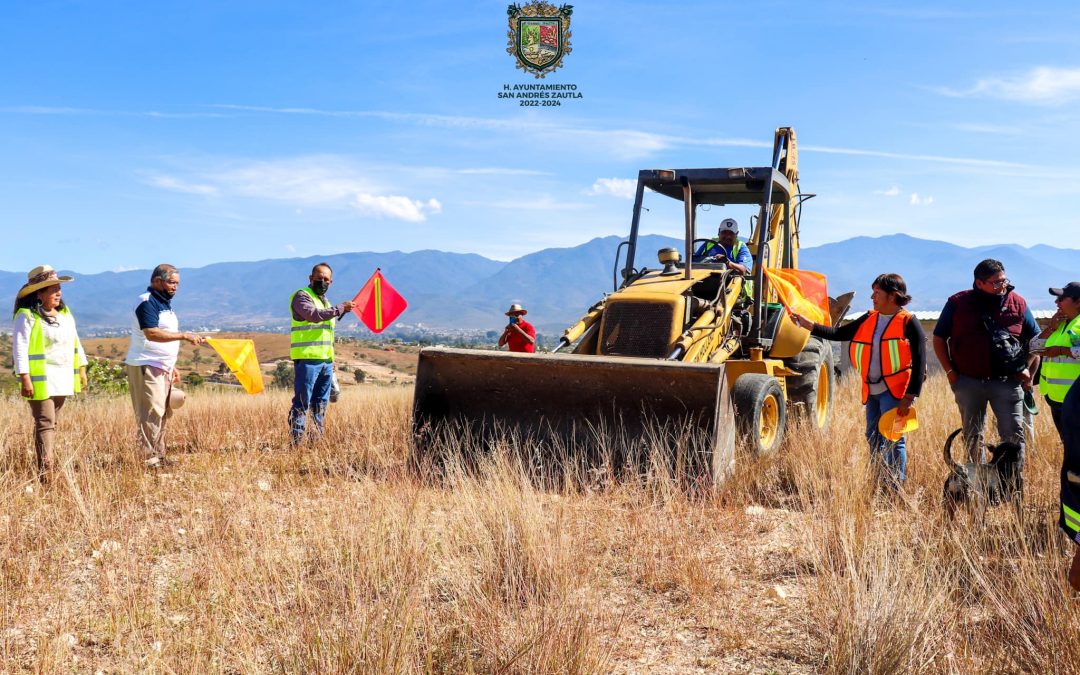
[247, 557]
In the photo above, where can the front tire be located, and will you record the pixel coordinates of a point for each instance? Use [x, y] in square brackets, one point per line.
[812, 390]
[760, 412]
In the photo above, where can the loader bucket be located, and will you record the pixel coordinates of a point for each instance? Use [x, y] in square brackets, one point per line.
[569, 403]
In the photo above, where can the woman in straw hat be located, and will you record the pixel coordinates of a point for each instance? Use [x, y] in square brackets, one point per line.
[49, 359]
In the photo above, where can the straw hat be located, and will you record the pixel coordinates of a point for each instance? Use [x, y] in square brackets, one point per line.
[176, 398]
[39, 278]
[515, 309]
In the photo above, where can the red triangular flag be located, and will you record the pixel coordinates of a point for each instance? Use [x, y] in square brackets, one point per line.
[378, 304]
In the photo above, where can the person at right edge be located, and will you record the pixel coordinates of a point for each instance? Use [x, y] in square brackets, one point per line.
[311, 348]
[981, 340]
[1059, 347]
[888, 349]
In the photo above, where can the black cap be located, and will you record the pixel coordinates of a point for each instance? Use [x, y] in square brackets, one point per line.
[1070, 290]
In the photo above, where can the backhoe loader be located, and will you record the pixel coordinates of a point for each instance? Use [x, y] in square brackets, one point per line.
[690, 347]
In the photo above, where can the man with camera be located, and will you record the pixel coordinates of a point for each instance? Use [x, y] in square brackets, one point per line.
[981, 341]
[519, 335]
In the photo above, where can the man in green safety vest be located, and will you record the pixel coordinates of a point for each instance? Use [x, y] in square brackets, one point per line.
[311, 348]
[1059, 369]
[1059, 346]
[727, 246]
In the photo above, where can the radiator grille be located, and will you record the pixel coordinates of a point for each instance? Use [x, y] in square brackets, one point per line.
[636, 329]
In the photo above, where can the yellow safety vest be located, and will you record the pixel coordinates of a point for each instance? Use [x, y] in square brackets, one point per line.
[748, 284]
[1059, 372]
[314, 341]
[36, 355]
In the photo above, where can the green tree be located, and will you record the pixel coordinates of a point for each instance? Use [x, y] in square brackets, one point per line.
[359, 375]
[194, 379]
[284, 375]
[103, 377]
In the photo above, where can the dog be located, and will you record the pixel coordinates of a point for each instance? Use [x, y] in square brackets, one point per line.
[985, 484]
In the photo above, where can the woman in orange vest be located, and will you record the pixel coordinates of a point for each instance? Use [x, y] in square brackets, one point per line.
[888, 349]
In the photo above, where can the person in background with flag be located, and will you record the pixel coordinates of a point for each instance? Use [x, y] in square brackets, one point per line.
[519, 335]
[311, 349]
[888, 349]
[49, 359]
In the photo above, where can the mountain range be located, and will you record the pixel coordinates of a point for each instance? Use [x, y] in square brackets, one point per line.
[454, 291]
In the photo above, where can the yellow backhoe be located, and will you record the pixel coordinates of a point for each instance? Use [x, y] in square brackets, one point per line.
[691, 348]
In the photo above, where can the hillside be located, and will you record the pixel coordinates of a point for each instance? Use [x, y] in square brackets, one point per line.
[466, 292]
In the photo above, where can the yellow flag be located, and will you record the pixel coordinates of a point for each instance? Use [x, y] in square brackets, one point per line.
[239, 356]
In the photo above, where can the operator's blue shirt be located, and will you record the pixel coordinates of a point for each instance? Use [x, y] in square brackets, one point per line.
[713, 246]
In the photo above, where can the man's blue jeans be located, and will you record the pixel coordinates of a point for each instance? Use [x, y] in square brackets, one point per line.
[884, 454]
[311, 389]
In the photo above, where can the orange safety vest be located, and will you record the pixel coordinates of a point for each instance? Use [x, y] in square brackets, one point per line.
[895, 353]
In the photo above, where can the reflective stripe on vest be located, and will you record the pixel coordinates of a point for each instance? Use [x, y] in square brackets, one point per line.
[309, 340]
[36, 355]
[715, 243]
[1059, 372]
[1071, 518]
[895, 353]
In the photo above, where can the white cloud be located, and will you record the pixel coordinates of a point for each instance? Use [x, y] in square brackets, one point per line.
[893, 191]
[123, 268]
[317, 182]
[1044, 85]
[309, 180]
[177, 185]
[916, 200]
[57, 110]
[623, 144]
[289, 248]
[618, 187]
[393, 206]
[943, 159]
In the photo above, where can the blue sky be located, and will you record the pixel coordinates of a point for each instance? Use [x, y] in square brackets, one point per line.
[200, 132]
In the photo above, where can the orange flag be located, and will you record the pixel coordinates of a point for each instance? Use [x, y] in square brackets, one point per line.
[240, 357]
[802, 292]
[378, 304]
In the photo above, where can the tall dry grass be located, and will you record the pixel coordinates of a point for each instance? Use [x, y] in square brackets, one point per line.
[250, 557]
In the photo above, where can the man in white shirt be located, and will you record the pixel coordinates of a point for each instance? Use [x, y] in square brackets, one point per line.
[151, 360]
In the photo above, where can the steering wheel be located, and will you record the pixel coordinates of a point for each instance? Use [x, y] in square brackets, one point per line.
[720, 257]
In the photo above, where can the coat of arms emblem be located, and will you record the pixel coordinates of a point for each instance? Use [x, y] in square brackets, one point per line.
[539, 36]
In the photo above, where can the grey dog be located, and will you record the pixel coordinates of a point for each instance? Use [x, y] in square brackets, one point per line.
[984, 484]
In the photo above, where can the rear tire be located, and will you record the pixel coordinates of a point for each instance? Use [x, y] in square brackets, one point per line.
[811, 391]
[760, 412]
